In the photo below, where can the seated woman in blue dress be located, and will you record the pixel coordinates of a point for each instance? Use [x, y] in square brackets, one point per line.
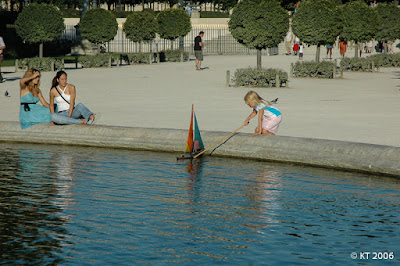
[32, 113]
[63, 95]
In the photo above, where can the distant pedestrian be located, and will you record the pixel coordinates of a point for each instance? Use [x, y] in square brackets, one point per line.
[370, 45]
[296, 45]
[2, 47]
[154, 44]
[329, 48]
[288, 42]
[188, 10]
[198, 46]
[342, 47]
[301, 47]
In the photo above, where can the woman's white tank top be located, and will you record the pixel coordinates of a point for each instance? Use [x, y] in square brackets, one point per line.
[62, 105]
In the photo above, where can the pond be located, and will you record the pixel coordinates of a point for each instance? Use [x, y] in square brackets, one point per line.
[74, 205]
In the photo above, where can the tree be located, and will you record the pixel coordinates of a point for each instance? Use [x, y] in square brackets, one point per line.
[39, 23]
[259, 24]
[317, 22]
[98, 26]
[172, 24]
[359, 23]
[141, 27]
[388, 23]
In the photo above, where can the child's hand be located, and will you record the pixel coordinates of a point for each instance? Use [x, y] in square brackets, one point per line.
[246, 122]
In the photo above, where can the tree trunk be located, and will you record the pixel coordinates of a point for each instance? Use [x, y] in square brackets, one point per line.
[259, 59]
[140, 47]
[318, 54]
[172, 44]
[356, 50]
[41, 50]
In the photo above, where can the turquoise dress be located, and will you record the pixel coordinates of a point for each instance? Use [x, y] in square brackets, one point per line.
[32, 113]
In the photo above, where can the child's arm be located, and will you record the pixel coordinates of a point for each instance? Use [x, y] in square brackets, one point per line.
[253, 114]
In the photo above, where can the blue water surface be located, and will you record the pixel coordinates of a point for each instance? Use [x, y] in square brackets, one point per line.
[86, 206]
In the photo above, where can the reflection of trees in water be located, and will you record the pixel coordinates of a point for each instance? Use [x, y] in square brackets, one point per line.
[30, 223]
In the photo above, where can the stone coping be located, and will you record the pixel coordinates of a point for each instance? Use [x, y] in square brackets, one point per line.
[350, 156]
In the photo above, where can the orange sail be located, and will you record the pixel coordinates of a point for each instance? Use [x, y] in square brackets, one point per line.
[189, 143]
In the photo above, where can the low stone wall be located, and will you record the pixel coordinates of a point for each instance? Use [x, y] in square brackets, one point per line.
[374, 159]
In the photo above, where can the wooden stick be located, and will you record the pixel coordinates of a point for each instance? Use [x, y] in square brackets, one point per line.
[230, 134]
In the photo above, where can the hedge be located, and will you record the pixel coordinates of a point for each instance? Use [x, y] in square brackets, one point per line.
[365, 64]
[314, 69]
[99, 60]
[143, 58]
[173, 55]
[41, 64]
[356, 64]
[253, 77]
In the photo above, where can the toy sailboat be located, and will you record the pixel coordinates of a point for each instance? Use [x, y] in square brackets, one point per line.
[194, 144]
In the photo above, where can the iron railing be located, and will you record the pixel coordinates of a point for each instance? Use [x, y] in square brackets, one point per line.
[218, 40]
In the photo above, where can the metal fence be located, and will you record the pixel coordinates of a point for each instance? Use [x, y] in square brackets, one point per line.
[218, 40]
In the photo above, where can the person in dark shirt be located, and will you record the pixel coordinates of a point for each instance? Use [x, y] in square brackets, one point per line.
[198, 44]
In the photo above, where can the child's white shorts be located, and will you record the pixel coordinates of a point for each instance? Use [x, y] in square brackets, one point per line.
[271, 123]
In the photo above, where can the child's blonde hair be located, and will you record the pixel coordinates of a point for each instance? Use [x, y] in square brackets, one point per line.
[31, 87]
[253, 97]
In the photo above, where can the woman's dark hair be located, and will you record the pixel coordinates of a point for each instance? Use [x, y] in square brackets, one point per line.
[54, 83]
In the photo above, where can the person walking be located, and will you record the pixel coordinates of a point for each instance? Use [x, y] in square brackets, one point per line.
[342, 47]
[198, 51]
[288, 42]
[2, 47]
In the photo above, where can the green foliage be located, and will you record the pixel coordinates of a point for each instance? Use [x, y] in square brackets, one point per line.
[173, 55]
[138, 58]
[388, 21]
[99, 60]
[70, 13]
[365, 64]
[253, 77]
[359, 22]
[42, 64]
[98, 25]
[386, 60]
[39, 23]
[317, 22]
[259, 24]
[141, 26]
[211, 14]
[313, 69]
[356, 64]
[121, 14]
[173, 23]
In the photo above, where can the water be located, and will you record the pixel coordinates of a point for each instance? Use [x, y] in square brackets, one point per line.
[85, 206]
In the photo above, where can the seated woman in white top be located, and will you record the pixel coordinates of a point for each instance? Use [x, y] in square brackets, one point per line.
[63, 95]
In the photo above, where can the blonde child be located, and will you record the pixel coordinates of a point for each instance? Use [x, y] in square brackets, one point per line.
[269, 117]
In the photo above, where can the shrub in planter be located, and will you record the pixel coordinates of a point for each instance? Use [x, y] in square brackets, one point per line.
[173, 55]
[41, 64]
[314, 69]
[137, 58]
[356, 64]
[99, 60]
[253, 77]
[386, 60]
